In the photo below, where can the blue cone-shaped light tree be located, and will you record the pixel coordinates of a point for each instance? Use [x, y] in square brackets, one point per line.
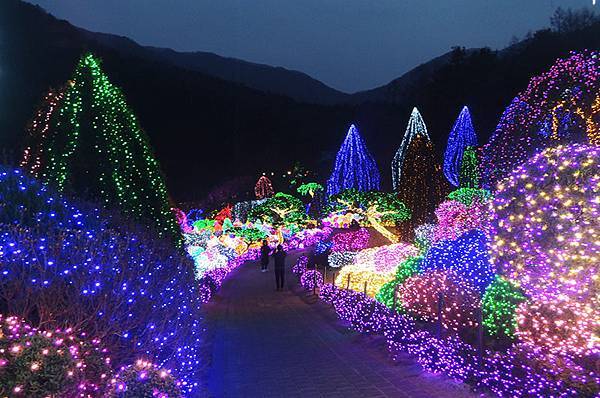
[354, 166]
[462, 136]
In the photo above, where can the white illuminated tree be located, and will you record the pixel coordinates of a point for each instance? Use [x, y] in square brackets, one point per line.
[416, 127]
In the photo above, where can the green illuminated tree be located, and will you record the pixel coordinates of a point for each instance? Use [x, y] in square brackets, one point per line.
[89, 143]
[469, 176]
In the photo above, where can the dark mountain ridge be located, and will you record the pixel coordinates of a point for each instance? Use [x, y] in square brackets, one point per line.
[277, 80]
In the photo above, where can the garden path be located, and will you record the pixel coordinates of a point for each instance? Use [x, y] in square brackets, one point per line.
[289, 344]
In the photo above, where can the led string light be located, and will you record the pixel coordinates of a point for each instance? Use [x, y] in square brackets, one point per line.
[499, 306]
[416, 127]
[263, 188]
[91, 144]
[420, 296]
[460, 138]
[546, 223]
[533, 121]
[354, 168]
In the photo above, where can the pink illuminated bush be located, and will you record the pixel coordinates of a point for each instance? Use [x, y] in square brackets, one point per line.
[421, 294]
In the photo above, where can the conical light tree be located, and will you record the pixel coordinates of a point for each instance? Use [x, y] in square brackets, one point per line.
[417, 175]
[416, 127]
[263, 188]
[87, 141]
[354, 166]
[462, 136]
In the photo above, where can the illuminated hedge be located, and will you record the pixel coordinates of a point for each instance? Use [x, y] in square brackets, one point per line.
[467, 256]
[421, 293]
[406, 269]
[499, 307]
[559, 325]
[547, 223]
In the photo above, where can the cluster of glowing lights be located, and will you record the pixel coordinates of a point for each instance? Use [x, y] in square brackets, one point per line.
[417, 176]
[300, 267]
[560, 106]
[50, 248]
[405, 270]
[547, 223]
[350, 241]
[340, 259]
[341, 220]
[263, 188]
[559, 325]
[455, 218]
[90, 142]
[415, 128]
[461, 136]
[50, 362]
[355, 167]
[444, 293]
[499, 306]
[145, 379]
[467, 256]
[374, 267]
[311, 279]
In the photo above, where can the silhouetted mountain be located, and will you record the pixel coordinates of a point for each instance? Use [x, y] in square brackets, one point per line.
[206, 129]
[276, 80]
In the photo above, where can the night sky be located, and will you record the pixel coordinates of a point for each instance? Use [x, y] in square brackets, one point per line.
[350, 45]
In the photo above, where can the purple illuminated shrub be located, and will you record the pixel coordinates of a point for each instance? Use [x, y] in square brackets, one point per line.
[300, 267]
[350, 241]
[311, 279]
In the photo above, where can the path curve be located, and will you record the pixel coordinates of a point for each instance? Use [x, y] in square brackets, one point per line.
[288, 344]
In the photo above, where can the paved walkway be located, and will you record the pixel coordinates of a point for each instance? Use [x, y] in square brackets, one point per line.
[288, 344]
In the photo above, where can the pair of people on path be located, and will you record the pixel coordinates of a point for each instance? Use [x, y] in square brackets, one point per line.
[279, 257]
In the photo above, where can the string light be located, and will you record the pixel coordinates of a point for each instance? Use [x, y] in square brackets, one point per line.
[416, 127]
[559, 325]
[421, 297]
[263, 188]
[354, 168]
[350, 241]
[405, 270]
[466, 255]
[145, 379]
[417, 176]
[51, 249]
[499, 307]
[461, 136]
[90, 142]
[560, 106]
[375, 267]
[546, 223]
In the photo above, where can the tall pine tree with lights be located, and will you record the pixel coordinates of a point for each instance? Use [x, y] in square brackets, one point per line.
[355, 167]
[417, 175]
[462, 136]
[86, 141]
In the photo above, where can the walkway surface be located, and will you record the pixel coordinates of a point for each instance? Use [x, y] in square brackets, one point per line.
[288, 344]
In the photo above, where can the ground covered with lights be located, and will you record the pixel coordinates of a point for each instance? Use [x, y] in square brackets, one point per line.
[475, 275]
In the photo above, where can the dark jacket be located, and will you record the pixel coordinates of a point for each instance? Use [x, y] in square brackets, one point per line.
[279, 257]
[264, 254]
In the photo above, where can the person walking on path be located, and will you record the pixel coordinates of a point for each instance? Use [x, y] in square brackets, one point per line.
[265, 250]
[279, 257]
